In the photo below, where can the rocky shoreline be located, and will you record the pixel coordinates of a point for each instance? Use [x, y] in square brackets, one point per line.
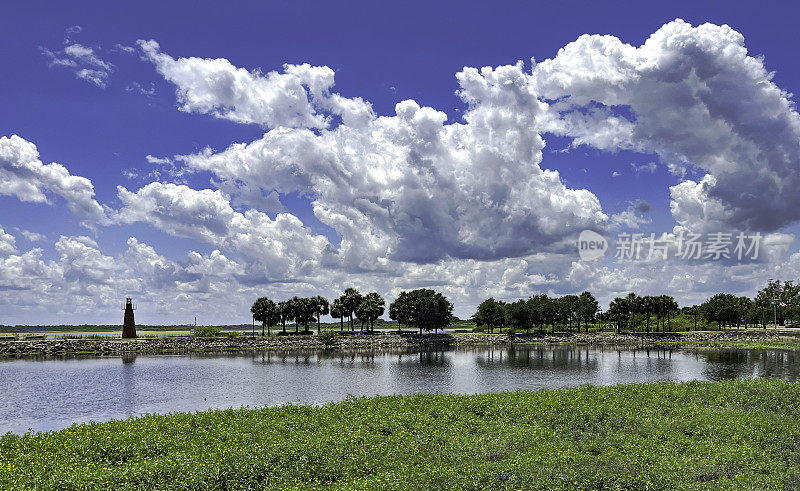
[379, 341]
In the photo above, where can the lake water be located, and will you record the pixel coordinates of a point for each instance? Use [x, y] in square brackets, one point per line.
[51, 393]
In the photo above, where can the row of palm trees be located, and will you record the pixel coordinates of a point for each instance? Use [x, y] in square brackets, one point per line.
[423, 309]
[352, 305]
[778, 301]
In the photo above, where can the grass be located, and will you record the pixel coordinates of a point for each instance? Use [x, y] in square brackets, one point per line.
[725, 435]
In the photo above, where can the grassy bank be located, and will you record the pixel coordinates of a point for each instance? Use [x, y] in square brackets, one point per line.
[734, 435]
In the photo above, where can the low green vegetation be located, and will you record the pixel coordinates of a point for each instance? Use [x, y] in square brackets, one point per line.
[730, 435]
[207, 332]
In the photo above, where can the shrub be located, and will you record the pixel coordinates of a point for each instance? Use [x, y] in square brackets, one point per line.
[327, 337]
[207, 332]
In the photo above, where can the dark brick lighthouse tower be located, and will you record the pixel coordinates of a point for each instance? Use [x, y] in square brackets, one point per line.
[129, 326]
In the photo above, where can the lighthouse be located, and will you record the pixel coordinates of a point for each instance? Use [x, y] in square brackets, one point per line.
[129, 325]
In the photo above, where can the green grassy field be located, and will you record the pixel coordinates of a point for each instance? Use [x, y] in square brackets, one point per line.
[729, 435]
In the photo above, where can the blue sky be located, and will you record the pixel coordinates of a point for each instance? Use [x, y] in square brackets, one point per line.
[382, 53]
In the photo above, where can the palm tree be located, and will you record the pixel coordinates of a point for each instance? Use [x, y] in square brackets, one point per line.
[265, 311]
[694, 311]
[377, 308]
[286, 311]
[648, 306]
[370, 308]
[668, 306]
[296, 313]
[305, 312]
[618, 310]
[350, 300]
[337, 312]
[321, 308]
[762, 300]
[634, 304]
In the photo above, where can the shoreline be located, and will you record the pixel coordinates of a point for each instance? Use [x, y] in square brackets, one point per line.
[89, 347]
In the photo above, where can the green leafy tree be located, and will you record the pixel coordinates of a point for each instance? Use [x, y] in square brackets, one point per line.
[569, 310]
[722, 308]
[400, 310]
[518, 315]
[538, 309]
[491, 313]
[790, 302]
[744, 307]
[430, 310]
[779, 301]
[587, 309]
[763, 304]
[561, 312]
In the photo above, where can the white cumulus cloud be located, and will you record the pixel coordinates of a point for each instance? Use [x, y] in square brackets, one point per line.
[294, 98]
[697, 98]
[23, 175]
[277, 250]
[410, 187]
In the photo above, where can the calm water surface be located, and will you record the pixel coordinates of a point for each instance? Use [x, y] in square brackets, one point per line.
[51, 393]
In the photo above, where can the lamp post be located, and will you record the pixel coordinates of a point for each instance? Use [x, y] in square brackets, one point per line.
[776, 288]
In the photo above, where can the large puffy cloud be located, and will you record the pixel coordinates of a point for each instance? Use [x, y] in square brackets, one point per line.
[23, 175]
[411, 188]
[24, 272]
[280, 249]
[294, 98]
[695, 208]
[83, 263]
[696, 98]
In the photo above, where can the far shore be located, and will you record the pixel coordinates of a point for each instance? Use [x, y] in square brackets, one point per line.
[744, 339]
